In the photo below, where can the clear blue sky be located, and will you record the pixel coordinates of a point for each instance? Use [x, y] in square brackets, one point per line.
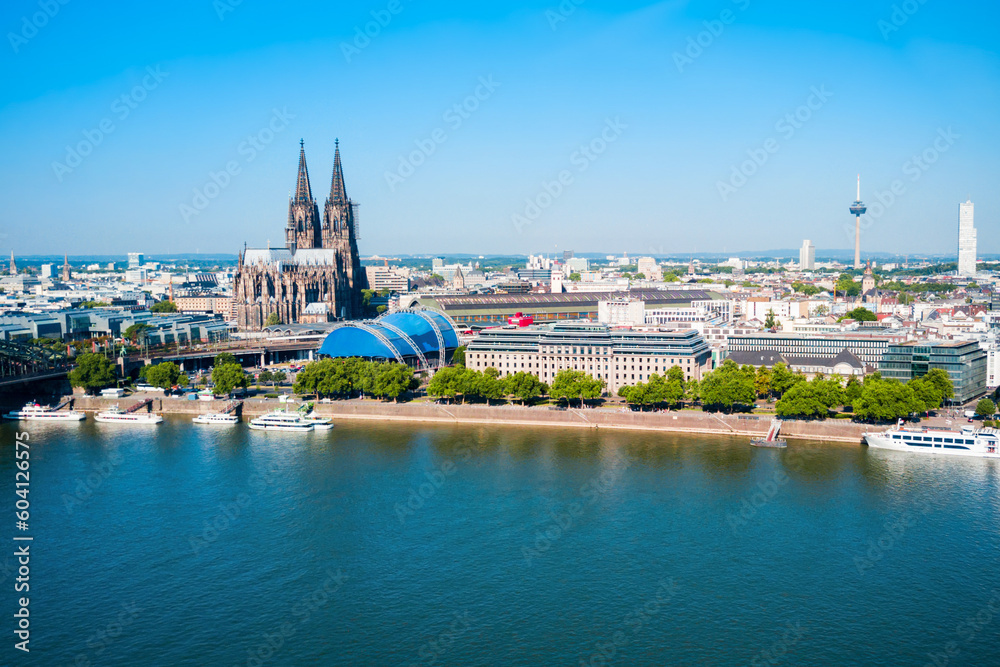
[681, 127]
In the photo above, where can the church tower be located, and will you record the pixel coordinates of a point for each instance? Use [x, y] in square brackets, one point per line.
[340, 234]
[303, 229]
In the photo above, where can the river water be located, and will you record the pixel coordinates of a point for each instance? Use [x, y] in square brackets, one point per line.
[409, 544]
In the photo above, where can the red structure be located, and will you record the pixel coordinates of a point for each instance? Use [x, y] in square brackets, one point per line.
[521, 320]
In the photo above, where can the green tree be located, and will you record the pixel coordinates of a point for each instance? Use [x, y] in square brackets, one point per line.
[575, 277]
[488, 384]
[762, 382]
[265, 376]
[137, 333]
[885, 400]
[446, 382]
[726, 387]
[164, 307]
[782, 379]
[926, 393]
[860, 314]
[391, 379]
[671, 277]
[523, 386]
[570, 384]
[92, 372]
[940, 378]
[272, 320]
[224, 358]
[801, 400]
[228, 377]
[852, 391]
[770, 322]
[458, 357]
[986, 408]
[846, 286]
[163, 375]
[277, 377]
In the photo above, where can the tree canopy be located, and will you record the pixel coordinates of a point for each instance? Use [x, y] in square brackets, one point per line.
[344, 377]
[727, 386]
[570, 384]
[668, 389]
[164, 307]
[163, 375]
[986, 408]
[860, 314]
[92, 372]
[227, 377]
[886, 400]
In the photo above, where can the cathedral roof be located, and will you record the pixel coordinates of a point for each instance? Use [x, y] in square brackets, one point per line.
[301, 257]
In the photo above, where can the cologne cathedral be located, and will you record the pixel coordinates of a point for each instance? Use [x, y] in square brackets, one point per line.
[317, 276]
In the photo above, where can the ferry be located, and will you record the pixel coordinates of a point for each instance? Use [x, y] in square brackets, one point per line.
[280, 420]
[983, 442]
[319, 423]
[34, 411]
[216, 418]
[115, 415]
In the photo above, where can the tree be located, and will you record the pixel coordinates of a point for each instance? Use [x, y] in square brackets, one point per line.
[860, 314]
[852, 391]
[569, 384]
[224, 358]
[92, 372]
[488, 384]
[575, 277]
[277, 377]
[805, 288]
[228, 377]
[926, 393]
[163, 375]
[885, 400]
[265, 376]
[272, 320]
[727, 386]
[137, 333]
[445, 382]
[846, 286]
[940, 378]
[523, 386]
[770, 322]
[821, 309]
[762, 382]
[458, 356]
[782, 379]
[164, 307]
[390, 380]
[802, 400]
[985, 408]
[183, 380]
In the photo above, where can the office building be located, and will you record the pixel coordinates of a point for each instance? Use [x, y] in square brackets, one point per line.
[807, 256]
[966, 240]
[868, 348]
[620, 356]
[135, 260]
[964, 361]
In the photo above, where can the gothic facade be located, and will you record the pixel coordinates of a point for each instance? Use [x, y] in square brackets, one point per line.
[317, 276]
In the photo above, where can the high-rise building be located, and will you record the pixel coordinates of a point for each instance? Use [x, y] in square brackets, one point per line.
[47, 271]
[317, 277]
[135, 260]
[966, 240]
[807, 256]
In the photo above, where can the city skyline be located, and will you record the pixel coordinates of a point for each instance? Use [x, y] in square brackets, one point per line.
[708, 115]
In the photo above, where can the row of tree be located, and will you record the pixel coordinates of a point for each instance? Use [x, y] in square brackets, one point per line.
[458, 382]
[343, 378]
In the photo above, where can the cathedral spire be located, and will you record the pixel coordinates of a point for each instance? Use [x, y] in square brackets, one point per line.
[338, 192]
[303, 191]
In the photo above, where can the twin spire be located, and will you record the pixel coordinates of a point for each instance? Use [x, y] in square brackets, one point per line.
[303, 191]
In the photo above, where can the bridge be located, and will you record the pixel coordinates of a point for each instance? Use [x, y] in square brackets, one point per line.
[24, 362]
[247, 353]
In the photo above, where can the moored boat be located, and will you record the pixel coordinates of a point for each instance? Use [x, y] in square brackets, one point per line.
[984, 443]
[217, 419]
[37, 412]
[115, 415]
[279, 420]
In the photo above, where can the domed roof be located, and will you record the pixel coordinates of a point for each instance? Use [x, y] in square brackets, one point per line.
[410, 333]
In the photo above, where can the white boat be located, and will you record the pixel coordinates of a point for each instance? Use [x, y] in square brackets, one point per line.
[34, 411]
[216, 418]
[319, 423]
[115, 415]
[280, 420]
[983, 443]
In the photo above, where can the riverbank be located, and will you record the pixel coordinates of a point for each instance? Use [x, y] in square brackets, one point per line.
[684, 421]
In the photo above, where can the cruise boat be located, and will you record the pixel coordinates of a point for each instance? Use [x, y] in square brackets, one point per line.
[115, 415]
[34, 411]
[319, 423]
[216, 418]
[279, 420]
[967, 442]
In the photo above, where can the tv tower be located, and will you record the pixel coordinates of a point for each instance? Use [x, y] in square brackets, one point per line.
[858, 208]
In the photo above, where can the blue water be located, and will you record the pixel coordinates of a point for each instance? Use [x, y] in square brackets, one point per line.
[186, 545]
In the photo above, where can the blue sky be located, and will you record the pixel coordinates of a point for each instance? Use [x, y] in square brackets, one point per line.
[666, 120]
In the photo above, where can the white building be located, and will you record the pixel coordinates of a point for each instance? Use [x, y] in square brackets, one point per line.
[46, 270]
[135, 260]
[966, 240]
[621, 311]
[807, 256]
[648, 267]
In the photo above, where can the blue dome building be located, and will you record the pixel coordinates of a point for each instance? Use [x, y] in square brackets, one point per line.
[417, 337]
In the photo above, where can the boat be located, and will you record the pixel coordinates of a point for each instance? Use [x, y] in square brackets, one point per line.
[36, 412]
[984, 442]
[216, 418]
[279, 420]
[771, 439]
[319, 423]
[115, 415]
